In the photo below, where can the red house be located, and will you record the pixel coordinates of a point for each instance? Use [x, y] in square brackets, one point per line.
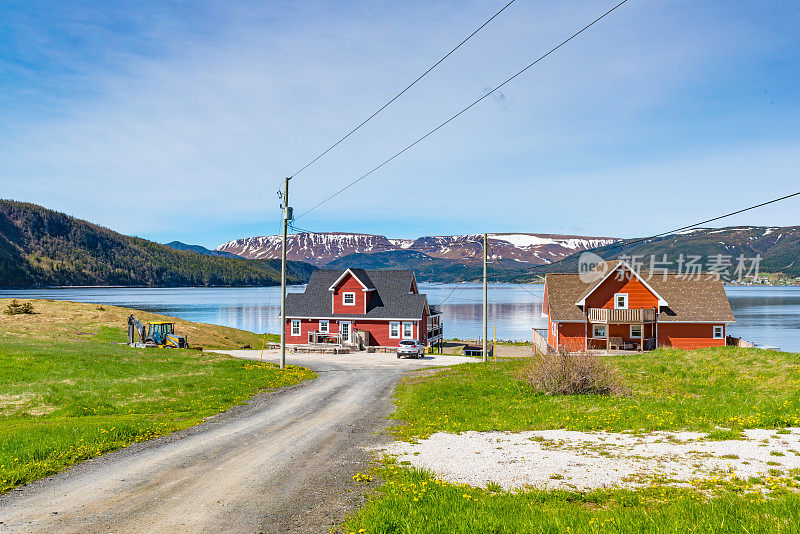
[359, 307]
[626, 310]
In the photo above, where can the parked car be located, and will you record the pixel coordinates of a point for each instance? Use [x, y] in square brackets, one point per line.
[411, 348]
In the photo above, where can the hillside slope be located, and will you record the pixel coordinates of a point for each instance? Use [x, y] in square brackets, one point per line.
[778, 248]
[426, 268]
[199, 249]
[41, 247]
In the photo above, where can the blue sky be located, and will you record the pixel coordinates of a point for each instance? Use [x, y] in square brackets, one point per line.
[178, 120]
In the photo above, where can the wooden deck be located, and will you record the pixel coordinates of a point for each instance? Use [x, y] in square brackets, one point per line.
[629, 316]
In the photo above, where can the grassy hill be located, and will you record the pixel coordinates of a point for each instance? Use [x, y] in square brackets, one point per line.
[72, 391]
[41, 247]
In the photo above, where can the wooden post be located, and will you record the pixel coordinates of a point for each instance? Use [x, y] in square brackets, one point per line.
[485, 299]
[586, 335]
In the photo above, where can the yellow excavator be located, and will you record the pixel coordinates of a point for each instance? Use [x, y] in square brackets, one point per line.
[156, 334]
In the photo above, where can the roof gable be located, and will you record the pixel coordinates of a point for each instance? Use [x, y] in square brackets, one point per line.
[360, 276]
[700, 299]
[390, 299]
[622, 265]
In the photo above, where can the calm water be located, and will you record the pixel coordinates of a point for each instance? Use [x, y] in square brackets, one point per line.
[765, 315]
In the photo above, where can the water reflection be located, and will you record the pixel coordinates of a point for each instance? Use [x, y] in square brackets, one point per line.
[766, 315]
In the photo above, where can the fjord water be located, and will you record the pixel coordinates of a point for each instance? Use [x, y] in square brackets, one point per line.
[765, 315]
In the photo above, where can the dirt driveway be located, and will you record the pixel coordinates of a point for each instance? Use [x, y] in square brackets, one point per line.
[283, 463]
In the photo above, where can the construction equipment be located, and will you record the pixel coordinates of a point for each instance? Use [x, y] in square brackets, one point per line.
[158, 334]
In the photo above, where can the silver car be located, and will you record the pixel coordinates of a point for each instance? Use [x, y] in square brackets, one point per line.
[410, 348]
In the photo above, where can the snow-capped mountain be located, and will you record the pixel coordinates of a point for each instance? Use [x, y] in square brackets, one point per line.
[322, 248]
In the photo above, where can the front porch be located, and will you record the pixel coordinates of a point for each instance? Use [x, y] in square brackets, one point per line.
[626, 330]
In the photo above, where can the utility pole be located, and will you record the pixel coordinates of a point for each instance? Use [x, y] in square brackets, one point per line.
[485, 299]
[287, 216]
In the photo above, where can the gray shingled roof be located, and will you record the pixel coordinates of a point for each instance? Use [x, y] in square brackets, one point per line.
[389, 300]
[689, 300]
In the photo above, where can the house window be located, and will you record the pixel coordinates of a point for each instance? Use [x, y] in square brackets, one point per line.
[636, 330]
[621, 301]
[408, 330]
[719, 332]
[295, 327]
[599, 330]
[323, 327]
[349, 299]
[394, 329]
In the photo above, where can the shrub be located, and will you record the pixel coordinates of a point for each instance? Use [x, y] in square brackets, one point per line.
[571, 373]
[15, 308]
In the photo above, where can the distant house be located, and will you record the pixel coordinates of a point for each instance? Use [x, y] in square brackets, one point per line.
[360, 307]
[627, 310]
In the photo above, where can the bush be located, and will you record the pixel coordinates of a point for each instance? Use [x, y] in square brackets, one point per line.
[572, 373]
[15, 308]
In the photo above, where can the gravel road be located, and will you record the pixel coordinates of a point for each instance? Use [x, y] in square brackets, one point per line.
[282, 463]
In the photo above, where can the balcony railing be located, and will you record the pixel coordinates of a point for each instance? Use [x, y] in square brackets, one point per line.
[609, 316]
[434, 332]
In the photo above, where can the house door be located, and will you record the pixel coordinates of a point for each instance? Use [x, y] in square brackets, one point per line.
[345, 331]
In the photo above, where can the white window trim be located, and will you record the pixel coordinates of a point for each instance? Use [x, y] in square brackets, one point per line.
[327, 329]
[721, 332]
[397, 324]
[344, 298]
[296, 322]
[616, 296]
[594, 331]
[639, 327]
[403, 330]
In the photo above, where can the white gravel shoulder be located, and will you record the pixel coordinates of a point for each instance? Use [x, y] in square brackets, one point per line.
[564, 459]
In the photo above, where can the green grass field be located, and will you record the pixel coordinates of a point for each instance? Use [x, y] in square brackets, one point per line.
[411, 500]
[669, 390]
[67, 393]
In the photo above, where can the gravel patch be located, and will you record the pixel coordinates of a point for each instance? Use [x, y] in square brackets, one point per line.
[565, 459]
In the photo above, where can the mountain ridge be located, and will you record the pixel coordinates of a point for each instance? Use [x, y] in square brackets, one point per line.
[322, 248]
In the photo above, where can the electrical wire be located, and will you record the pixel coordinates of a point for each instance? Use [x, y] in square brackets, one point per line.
[398, 95]
[464, 110]
[457, 284]
[627, 243]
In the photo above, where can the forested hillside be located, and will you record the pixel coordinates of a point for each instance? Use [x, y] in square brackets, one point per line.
[41, 247]
[430, 269]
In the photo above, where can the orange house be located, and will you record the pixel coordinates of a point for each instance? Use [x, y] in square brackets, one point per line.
[629, 310]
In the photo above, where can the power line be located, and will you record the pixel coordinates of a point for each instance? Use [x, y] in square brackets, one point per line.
[500, 263]
[625, 243]
[456, 284]
[398, 95]
[464, 110]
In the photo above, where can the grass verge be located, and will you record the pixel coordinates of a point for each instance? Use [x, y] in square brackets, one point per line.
[669, 390]
[412, 500]
[67, 393]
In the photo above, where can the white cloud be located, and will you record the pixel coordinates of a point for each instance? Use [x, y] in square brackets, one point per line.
[201, 134]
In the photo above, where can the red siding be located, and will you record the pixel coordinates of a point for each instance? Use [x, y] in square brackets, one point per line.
[688, 335]
[571, 336]
[349, 285]
[638, 295]
[378, 330]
